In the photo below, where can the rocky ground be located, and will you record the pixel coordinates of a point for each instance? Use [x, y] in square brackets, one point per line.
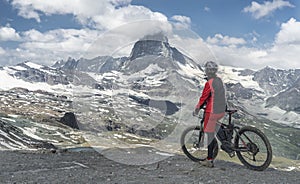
[139, 165]
[92, 167]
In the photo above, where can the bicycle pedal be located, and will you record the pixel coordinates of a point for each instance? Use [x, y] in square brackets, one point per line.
[232, 154]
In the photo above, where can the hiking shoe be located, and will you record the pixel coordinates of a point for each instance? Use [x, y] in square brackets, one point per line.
[207, 163]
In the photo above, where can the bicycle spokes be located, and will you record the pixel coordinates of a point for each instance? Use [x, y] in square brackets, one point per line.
[194, 144]
[253, 148]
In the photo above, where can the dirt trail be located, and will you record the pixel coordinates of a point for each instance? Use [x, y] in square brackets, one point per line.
[93, 167]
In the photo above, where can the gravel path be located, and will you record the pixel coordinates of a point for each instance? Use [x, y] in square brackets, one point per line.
[93, 167]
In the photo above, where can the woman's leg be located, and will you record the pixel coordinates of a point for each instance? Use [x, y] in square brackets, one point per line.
[212, 143]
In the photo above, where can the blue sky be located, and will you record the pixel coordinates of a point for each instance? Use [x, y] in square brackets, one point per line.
[242, 33]
[210, 17]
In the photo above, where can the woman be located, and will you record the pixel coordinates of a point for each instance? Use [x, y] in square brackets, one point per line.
[213, 96]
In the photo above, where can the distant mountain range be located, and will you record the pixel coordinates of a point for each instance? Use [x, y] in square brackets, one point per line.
[152, 91]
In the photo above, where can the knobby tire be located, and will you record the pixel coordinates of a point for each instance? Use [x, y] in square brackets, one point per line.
[243, 155]
[195, 130]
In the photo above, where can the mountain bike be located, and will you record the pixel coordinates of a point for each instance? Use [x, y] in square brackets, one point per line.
[250, 145]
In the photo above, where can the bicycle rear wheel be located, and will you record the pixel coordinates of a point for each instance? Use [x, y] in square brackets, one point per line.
[255, 150]
[193, 145]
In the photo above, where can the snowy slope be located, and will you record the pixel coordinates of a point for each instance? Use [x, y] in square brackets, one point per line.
[8, 82]
[233, 75]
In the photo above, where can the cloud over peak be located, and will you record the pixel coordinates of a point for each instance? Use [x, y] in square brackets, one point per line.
[180, 21]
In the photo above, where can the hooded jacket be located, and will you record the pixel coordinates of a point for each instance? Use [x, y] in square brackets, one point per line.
[213, 95]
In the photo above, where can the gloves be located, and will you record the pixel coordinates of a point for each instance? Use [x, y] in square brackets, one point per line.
[196, 111]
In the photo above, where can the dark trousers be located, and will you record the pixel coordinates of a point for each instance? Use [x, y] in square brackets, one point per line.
[211, 144]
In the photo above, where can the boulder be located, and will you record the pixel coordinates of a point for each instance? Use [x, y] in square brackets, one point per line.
[70, 120]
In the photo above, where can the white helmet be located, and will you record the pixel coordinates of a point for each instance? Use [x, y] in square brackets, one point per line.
[210, 67]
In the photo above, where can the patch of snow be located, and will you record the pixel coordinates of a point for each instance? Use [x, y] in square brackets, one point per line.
[119, 136]
[137, 137]
[9, 70]
[231, 75]
[30, 132]
[48, 72]
[275, 114]
[97, 77]
[12, 140]
[153, 68]
[8, 119]
[129, 92]
[165, 154]
[291, 168]
[8, 146]
[13, 115]
[8, 82]
[33, 65]
[20, 68]
[189, 70]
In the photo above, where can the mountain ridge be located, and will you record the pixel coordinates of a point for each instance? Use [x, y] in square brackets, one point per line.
[134, 94]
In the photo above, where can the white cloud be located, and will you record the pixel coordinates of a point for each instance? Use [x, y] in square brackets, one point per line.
[193, 47]
[47, 47]
[289, 33]
[8, 34]
[50, 46]
[121, 16]
[219, 39]
[101, 14]
[120, 2]
[207, 9]
[2, 51]
[286, 48]
[284, 57]
[82, 9]
[59, 43]
[119, 24]
[34, 35]
[261, 10]
[180, 21]
[119, 41]
[284, 52]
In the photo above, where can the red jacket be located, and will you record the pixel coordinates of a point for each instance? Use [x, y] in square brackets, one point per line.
[213, 95]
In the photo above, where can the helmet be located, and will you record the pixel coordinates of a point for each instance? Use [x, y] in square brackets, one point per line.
[210, 67]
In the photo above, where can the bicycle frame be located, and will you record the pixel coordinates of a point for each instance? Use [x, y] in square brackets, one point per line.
[234, 140]
[229, 126]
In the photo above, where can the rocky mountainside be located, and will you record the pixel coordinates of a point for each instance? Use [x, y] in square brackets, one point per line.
[269, 92]
[34, 120]
[274, 81]
[148, 97]
[287, 99]
[32, 72]
[99, 64]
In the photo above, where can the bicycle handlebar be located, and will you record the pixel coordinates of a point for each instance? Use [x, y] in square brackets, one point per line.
[232, 111]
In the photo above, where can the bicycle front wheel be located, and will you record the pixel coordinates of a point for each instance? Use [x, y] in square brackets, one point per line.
[254, 149]
[193, 144]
